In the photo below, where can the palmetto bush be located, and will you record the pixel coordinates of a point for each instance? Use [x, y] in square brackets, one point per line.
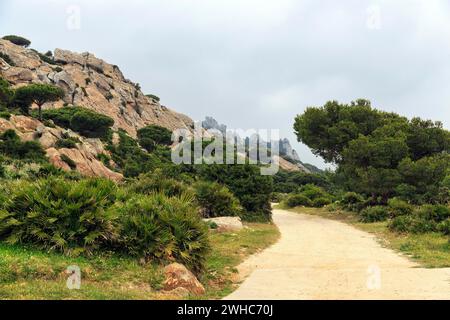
[95, 215]
[54, 213]
[168, 228]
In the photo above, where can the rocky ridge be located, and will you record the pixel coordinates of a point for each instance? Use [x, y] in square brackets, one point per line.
[89, 82]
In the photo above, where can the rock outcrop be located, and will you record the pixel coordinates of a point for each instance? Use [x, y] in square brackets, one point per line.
[84, 155]
[92, 83]
[226, 224]
[89, 82]
[178, 276]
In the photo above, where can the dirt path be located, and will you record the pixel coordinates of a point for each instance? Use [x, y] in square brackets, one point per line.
[318, 258]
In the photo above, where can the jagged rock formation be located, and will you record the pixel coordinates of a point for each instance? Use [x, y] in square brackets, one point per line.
[211, 123]
[92, 83]
[288, 160]
[84, 155]
[88, 82]
[287, 150]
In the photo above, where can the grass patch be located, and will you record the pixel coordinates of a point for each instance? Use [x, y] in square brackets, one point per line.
[431, 250]
[28, 273]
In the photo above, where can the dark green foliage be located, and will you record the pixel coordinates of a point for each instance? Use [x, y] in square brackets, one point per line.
[68, 216]
[374, 214]
[309, 195]
[288, 182]
[422, 178]
[17, 40]
[84, 121]
[427, 218]
[295, 200]
[104, 158]
[352, 198]
[11, 146]
[69, 161]
[69, 143]
[152, 96]
[277, 197]
[151, 136]
[133, 160]
[328, 130]
[91, 124]
[36, 93]
[216, 200]
[6, 93]
[164, 228]
[313, 192]
[321, 202]
[85, 216]
[48, 57]
[157, 182]
[379, 154]
[247, 184]
[7, 59]
[5, 115]
[398, 207]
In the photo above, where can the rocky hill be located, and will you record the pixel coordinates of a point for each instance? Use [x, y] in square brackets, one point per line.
[89, 82]
[289, 159]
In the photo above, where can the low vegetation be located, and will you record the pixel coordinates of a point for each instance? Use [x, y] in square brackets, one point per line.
[18, 40]
[84, 121]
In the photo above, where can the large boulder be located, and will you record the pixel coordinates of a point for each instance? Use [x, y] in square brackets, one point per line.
[178, 276]
[227, 224]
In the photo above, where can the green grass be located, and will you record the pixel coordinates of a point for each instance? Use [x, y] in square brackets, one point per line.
[430, 250]
[28, 273]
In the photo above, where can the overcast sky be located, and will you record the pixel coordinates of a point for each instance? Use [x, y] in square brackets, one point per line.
[258, 63]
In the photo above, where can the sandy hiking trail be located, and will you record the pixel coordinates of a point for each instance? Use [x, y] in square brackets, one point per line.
[317, 258]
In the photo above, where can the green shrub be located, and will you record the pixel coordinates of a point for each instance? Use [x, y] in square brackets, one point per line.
[6, 94]
[277, 197]
[321, 202]
[444, 227]
[84, 121]
[11, 146]
[156, 182]
[151, 136]
[7, 59]
[313, 192]
[69, 161]
[374, 214]
[427, 218]
[17, 40]
[436, 213]
[166, 228]
[399, 207]
[152, 96]
[216, 200]
[5, 115]
[401, 224]
[69, 143]
[352, 201]
[295, 200]
[248, 185]
[57, 214]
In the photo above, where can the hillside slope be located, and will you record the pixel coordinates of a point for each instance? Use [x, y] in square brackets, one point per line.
[92, 83]
[88, 82]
